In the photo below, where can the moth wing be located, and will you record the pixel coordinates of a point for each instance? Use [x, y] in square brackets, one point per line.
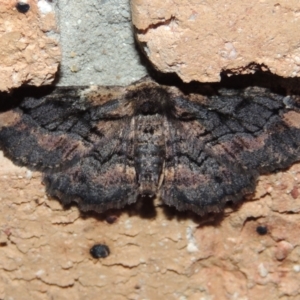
[217, 146]
[81, 139]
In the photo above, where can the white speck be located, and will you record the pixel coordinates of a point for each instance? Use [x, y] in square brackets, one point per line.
[69, 264]
[147, 50]
[44, 7]
[297, 59]
[230, 239]
[263, 272]
[287, 101]
[128, 224]
[229, 51]
[79, 22]
[193, 17]
[296, 268]
[191, 246]
[28, 174]
[39, 273]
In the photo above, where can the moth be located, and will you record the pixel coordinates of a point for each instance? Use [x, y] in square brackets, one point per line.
[104, 147]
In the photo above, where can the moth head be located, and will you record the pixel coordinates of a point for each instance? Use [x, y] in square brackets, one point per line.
[150, 101]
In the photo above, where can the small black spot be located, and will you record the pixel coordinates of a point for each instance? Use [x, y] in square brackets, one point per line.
[22, 7]
[111, 219]
[262, 230]
[99, 251]
[218, 179]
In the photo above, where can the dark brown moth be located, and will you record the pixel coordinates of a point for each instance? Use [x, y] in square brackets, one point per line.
[103, 147]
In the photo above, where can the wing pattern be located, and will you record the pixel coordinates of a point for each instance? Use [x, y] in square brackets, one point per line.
[103, 147]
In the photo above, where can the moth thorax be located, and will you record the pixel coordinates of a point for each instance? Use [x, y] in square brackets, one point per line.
[149, 152]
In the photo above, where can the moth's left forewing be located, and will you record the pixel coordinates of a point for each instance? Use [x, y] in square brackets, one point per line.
[264, 131]
[218, 145]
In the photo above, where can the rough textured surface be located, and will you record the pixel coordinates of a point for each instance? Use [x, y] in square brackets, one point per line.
[45, 249]
[103, 147]
[28, 54]
[97, 43]
[199, 39]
